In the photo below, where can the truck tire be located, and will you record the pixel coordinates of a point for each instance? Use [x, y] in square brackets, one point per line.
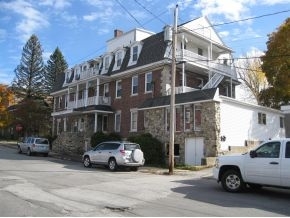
[232, 181]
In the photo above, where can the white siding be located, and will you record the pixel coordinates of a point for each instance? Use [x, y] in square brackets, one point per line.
[239, 122]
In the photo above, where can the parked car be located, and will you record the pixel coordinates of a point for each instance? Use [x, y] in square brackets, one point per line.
[31, 145]
[267, 165]
[114, 154]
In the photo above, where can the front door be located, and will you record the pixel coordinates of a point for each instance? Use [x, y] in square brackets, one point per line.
[194, 151]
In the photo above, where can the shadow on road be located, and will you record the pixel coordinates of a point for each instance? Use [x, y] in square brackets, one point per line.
[209, 191]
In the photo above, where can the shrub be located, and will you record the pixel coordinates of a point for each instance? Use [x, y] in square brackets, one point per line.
[151, 147]
[99, 137]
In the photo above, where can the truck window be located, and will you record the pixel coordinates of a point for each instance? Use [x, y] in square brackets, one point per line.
[269, 150]
[287, 152]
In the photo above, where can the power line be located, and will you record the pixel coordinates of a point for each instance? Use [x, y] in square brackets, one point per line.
[150, 12]
[128, 12]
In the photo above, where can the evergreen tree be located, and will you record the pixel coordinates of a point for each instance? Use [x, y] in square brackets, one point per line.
[276, 65]
[29, 80]
[55, 65]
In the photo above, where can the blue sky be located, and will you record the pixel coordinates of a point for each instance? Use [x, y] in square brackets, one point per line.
[80, 28]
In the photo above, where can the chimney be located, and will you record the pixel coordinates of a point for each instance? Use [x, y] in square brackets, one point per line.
[117, 33]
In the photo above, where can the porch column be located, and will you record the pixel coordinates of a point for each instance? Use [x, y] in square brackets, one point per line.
[98, 91]
[77, 96]
[64, 124]
[53, 123]
[96, 122]
[86, 93]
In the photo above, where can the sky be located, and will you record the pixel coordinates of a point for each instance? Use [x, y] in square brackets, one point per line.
[80, 28]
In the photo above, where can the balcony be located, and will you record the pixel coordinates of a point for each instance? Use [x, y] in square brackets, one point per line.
[201, 61]
[95, 100]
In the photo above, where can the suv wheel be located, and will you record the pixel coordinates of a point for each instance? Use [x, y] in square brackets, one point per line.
[232, 181]
[112, 164]
[87, 162]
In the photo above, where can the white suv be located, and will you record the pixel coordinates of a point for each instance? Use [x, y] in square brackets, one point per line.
[33, 145]
[114, 154]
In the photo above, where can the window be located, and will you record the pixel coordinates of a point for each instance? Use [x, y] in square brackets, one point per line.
[80, 96]
[134, 85]
[262, 119]
[197, 117]
[200, 51]
[119, 58]
[106, 90]
[118, 89]
[269, 150]
[187, 114]
[148, 82]
[107, 62]
[118, 121]
[178, 119]
[287, 152]
[281, 122]
[134, 117]
[135, 53]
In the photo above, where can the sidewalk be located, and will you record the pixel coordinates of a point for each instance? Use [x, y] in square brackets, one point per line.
[203, 173]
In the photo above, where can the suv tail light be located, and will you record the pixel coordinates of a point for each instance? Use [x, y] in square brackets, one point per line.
[122, 152]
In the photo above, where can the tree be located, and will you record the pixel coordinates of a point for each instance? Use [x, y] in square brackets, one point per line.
[6, 98]
[276, 65]
[252, 76]
[55, 65]
[29, 80]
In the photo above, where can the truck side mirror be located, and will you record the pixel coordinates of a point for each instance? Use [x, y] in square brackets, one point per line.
[253, 154]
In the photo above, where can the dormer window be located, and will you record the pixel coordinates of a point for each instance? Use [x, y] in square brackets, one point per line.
[135, 53]
[107, 62]
[119, 58]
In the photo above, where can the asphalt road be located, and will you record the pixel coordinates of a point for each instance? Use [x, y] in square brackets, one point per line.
[46, 186]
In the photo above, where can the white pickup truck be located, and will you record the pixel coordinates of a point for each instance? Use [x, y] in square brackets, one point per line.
[267, 165]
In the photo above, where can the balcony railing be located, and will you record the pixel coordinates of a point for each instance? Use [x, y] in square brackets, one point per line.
[180, 89]
[201, 61]
[95, 100]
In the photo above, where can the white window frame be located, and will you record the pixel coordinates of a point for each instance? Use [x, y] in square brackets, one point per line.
[134, 120]
[134, 78]
[106, 90]
[118, 125]
[262, 118]
[119, 57]
[187, 117]
[146, 82]
[117, 83]
[106, 63]
[197, 107]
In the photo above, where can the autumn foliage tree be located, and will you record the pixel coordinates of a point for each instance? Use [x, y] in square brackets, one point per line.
[276, 65]
[6, 98]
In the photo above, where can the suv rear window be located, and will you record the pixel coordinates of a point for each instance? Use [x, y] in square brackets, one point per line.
[131, 147]
[41, 141]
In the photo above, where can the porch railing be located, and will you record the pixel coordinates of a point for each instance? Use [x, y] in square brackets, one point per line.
[95, 100]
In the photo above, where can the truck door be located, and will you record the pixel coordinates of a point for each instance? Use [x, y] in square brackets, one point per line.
[285, 166]
[265, 166]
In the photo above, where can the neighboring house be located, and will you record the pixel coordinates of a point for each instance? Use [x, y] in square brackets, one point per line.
[127, 91]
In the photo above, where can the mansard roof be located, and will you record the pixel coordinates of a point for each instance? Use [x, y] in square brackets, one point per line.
[188, 97]
[60, 77]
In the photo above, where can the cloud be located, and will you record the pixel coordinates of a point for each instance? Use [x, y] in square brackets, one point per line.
[104, 16]
[57, 4]
[31, 21]
[231, 10]
[274, 2]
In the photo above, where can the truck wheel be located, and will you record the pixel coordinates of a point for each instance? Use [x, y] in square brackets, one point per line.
[232, 181]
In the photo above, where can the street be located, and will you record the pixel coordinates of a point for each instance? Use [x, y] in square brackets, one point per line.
[47, 186]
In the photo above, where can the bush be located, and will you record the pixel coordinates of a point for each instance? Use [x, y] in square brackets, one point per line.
[151, 147]
[99, 137]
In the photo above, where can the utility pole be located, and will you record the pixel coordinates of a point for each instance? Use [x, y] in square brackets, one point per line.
[172, 98]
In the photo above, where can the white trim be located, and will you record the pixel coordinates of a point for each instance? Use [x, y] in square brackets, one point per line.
[115, 126]
[133, 111]
[148, 73]
[117, 82]
[132, 85]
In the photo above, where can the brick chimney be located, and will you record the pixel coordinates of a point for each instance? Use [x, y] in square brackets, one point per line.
[117, 33]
